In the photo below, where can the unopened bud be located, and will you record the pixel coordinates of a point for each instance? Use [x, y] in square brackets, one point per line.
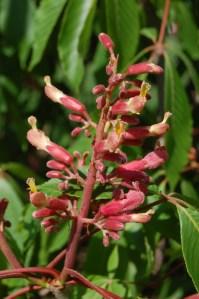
[111, 208]
[113, 225]
[58, 204]
[38, 199]
[76, 118]
[100, 101]
[144, 67]
[76, 131]
[106, 41]
[44, 212]
[59, 153]
[98, 89]
[53, 174]
[115, 79]
[55, 165]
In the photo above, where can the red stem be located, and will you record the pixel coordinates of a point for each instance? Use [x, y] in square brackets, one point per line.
[86, 198]
[23, 291]
[164, 22]
[8, 253]
[20, 271]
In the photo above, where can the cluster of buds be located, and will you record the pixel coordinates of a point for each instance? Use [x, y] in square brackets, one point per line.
[119, 125]
[50, 210]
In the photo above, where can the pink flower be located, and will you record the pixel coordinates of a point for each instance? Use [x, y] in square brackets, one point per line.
[113, 207]
[38, 139]
[43, 212]
[113, 225]
[58, 96]
[150, 161]
[98, 89]
[133, 200]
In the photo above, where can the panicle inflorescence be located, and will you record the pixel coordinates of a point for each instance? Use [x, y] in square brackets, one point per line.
[120, 104]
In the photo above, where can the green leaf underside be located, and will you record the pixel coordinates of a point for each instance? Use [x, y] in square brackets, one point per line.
[180, 135]
[122, 19]
[46, 18]
[189, 225]
[69, 47]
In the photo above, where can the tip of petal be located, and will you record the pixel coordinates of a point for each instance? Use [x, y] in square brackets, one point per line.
[47, 80]
[32, 121]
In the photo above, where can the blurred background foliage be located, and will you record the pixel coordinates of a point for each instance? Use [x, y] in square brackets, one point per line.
[59, 38]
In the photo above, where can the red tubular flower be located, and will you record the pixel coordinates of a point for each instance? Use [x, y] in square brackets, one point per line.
[76, 131]
[130, 119]
[38, 139]
[133, 200]
[58, 96]
[106, 41]
[156, 158]
[76, 118]
[144, 67]
[150, 161]
[115, 157]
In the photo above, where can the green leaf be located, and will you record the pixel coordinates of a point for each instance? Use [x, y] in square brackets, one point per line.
[19, 170]
[15, 207]
[150, 33]
[189, 226]
[50, 188]
[189, 191]
[69, 46]
[188, 32]
[122, 17]
[45, 20]
[113, 260]
[180, 135]
[59, 239]
[175, 49]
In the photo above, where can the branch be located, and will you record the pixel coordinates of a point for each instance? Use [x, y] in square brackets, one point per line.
[8, 253]
[164, 22]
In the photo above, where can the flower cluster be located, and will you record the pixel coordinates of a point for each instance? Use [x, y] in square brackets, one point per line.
[120, 104]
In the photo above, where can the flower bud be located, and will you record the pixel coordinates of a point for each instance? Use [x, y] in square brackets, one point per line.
[115, 79]
[101, 102]
[53, 174]
[49, 222]
[98, 89]
[55, 165]
[59, 153]
[113, 225]
[144, 67]
[76, 118]
[106, 41]
[44, 212]
[111, 208]
[133, 200]
[58, 204]
[76, 131]
[38, 199]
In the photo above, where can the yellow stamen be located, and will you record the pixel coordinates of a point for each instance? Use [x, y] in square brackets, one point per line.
[145, 87]
[31, 185]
